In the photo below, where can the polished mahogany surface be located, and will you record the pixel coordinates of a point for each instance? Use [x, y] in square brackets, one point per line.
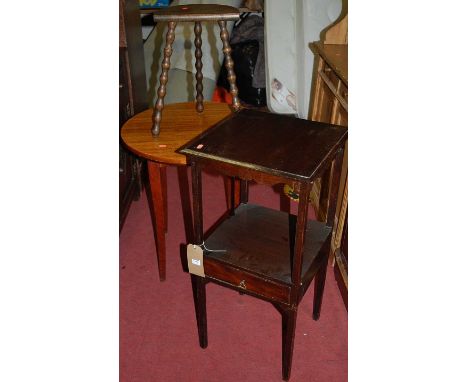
[258, 239]
[275, 144]
[255, 250]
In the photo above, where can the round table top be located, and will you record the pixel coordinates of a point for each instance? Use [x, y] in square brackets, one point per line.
[180, 123]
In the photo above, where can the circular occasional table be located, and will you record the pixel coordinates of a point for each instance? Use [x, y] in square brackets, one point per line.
[180, 124]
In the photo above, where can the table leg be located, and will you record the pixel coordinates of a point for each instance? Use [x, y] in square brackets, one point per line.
[324, 195]
[156, 174]
[165, 65]
[184, 188]
[320, 278]
[289, 317]
[285, 202]
[232, 187]
[199, 299]
[198, 66]
[198, 285]
[229, 64]
[164, 195]
[244, 191]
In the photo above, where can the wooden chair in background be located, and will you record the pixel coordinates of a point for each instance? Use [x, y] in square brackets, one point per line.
[194, 13]
[155, 138]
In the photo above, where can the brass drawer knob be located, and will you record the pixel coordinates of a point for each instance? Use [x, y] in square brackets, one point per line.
[242, 284]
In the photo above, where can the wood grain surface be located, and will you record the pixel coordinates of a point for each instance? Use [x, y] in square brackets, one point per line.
[336, 56]
[196, 12]
[257, 239]
[284, 146]
[180, 124]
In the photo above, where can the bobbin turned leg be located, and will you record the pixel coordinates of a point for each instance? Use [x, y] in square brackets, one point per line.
[198, 66]
[229, 63]
[166, 64]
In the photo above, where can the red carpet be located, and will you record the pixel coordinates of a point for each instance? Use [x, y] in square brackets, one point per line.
[158, 332]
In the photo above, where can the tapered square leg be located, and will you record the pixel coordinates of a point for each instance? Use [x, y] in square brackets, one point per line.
[232, 188]
[184, 188]
[199, 299]
[320, 278]
[289, 329]
[244, 191]
[156, 175]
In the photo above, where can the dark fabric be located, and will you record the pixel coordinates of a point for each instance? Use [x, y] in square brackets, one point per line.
[252, 28]
[245, 55]
[249, 60]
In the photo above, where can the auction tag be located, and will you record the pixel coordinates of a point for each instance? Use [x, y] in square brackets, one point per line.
[195, 260]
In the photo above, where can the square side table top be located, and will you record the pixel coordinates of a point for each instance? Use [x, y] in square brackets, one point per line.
[276, 144]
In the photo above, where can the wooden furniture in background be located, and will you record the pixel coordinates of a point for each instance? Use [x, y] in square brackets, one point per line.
[341, 265]
[132, 98]
[329, 103]
[268, 254]
[194, 13]
[180, 124]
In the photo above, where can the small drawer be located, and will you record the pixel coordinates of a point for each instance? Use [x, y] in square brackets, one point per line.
[243, 281]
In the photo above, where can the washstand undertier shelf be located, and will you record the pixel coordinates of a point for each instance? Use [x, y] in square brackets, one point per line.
[258, 241]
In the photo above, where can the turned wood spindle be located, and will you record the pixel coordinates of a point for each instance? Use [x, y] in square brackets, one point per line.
[229, 63]
[198, 66]
[166, 64]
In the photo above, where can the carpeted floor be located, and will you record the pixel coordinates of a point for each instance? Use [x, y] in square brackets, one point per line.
[158, 333]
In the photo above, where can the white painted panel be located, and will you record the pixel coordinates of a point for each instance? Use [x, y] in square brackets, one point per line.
[280, 55]
[289, 28]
